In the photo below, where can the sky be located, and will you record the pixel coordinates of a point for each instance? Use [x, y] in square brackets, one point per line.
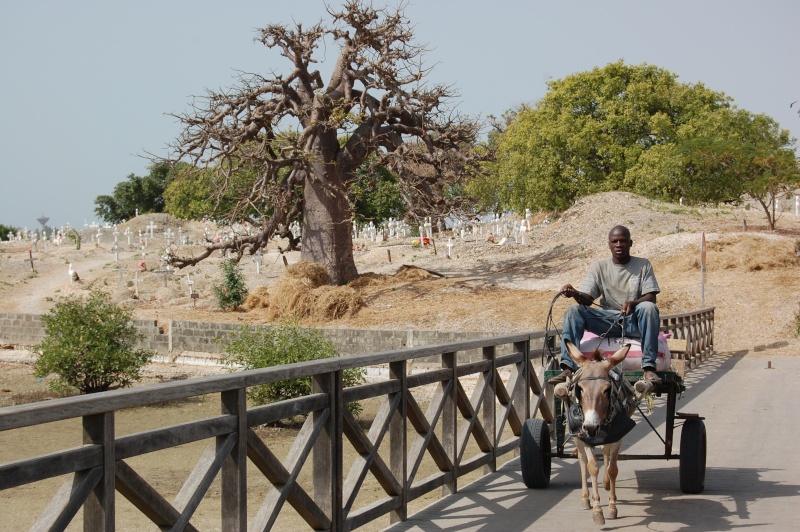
[87, 87]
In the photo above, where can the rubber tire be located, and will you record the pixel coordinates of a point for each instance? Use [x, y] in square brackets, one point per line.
[535, 454]
[693, 456]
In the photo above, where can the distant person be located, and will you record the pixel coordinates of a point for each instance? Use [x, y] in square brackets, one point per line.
[626, 287]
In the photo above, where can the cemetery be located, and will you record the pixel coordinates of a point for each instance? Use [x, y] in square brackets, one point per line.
[489, 275]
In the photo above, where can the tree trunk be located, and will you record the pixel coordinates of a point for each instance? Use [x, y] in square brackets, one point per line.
[327, 237]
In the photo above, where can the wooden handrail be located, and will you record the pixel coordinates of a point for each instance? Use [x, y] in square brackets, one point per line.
[459, 431]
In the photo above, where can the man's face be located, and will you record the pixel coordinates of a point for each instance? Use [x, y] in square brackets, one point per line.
[620, 245]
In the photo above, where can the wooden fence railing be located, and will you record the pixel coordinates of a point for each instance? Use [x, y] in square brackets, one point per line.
[461, 415]
[697, 328]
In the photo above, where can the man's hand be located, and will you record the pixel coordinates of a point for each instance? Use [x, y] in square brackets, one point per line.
[627, 308]
[569, 291]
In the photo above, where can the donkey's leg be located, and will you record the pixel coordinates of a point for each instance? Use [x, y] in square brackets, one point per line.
[610, 458]
[584, 485]
[594, 469]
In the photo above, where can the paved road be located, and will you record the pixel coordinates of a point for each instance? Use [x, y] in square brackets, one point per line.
[752, 471]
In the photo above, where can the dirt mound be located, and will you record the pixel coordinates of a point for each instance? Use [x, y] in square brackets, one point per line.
[414, 273]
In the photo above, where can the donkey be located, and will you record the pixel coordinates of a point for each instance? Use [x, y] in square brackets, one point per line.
[606, 402]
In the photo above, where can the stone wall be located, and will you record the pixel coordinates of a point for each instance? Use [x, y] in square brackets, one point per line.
[194, 342]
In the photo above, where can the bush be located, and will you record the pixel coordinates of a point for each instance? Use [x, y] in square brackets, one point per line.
[233, 290]
[285, 343]
[89, 345]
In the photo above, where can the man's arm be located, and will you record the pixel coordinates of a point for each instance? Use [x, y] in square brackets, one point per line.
[582, 299]
[628, 306]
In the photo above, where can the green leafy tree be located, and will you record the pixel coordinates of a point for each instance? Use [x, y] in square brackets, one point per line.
[144, 194]
[288, 126]
[375, 196]
[5, 230]
[285, 343]
[89, 345]
[194, 195]
[731, 155]
[232, 292]
[620, 127]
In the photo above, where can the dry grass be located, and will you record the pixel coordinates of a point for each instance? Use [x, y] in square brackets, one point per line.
[258, 298]
[303, 293]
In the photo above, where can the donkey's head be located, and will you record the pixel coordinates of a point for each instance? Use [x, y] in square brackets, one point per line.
[593, 386]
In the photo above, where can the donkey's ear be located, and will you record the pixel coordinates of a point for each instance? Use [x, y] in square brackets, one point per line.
[574, 353]
[620, 355]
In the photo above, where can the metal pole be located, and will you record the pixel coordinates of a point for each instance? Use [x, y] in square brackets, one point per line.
[703, 270]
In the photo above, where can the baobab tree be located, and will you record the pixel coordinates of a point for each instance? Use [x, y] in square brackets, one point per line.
[304, 140]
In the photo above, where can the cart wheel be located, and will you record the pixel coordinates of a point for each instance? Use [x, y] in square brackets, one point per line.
[535, 454]
[693, 456]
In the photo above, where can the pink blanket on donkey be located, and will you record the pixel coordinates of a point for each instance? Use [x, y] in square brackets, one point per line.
[610, 345]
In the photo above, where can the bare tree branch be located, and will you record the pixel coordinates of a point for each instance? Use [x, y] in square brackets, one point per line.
[287, 130]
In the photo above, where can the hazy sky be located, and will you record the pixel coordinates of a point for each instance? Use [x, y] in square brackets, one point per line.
[86, 85]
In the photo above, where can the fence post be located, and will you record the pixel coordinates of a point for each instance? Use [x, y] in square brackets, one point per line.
[327, 462]
[520, 398]
[98, 511]
[489, 406]
[398, 441]
[234, 470]
[450, 423]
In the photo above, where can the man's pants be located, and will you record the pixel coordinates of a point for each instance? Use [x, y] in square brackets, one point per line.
[644, 323]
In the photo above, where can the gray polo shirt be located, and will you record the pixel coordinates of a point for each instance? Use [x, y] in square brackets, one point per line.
[617, 283]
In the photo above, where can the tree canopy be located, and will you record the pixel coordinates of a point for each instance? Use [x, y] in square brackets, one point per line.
[287, 128]
[635, 128]
[5, 230]
[142, 194]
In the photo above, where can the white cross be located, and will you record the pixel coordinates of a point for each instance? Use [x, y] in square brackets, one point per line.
[258, 259]
[190, 283]
[151, 227]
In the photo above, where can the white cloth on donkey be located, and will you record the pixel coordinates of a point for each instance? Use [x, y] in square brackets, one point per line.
[610, 345]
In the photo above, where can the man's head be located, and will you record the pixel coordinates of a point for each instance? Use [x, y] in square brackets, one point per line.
[619, 242]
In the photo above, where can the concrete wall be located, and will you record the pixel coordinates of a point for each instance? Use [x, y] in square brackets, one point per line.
[193, 342]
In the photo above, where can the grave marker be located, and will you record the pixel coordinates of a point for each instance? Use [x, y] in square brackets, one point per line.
[190, 284]
[120, 270]
[258, 259]
[30, 259]
[166, 272]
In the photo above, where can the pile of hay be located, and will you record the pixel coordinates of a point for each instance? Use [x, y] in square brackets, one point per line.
[303, 293]
[258, 298]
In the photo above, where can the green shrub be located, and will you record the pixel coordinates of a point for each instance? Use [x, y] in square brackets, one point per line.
[285, 343]
[74, 237]
[89, 345]
[233, 290]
